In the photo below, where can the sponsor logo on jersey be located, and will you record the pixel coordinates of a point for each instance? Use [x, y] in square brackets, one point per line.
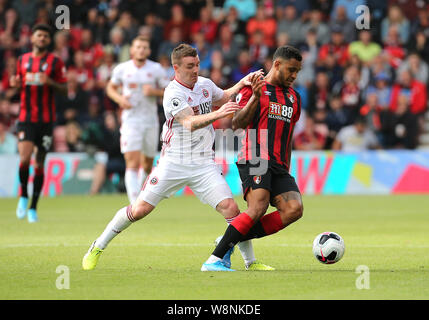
[280, 112]
[175, 102]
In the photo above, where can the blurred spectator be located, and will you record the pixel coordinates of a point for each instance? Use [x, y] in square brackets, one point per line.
[111, 145]
[178, 20]
[9, 92]
[204, 53]
[27, 11]
[85, 75]
[316, 23]
[61, 47]
[229, 48]
[408, 7]
[393, 48]
[73, 137]
[371, 110]
[128, 25]
[350, 92]
[245, 8]
[258, 50]
[337, 48]
[92, 52]
[309, 51]
[382, 89]
[245, 66]
[421, 23]
[350, 7]
[8, 141]
[396, 19]
[165, 62]
[336, 118]
[342, 23]
[319, 93]
[71, 106]
[236, 26]
[205, 24]
[117, 45]
[265, 25]
[365, 48]
[415, 90]
[419, 69]
[419, 43]
[355, 137]
[10, 23]
[302, 7]
[309, 138]
[290, 24]
[104, 71]
[166, 47]
[400, 128]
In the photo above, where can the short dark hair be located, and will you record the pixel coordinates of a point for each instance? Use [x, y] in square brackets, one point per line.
[42, 27]
[287, 52]
[181, 51]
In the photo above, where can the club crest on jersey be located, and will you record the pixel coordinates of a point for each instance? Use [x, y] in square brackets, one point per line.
[238, 97]
[290, 97]
[205, 93]
[44, 66]
[154, 181]
[257, 179]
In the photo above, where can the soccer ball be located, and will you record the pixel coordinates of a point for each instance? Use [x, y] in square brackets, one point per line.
[328, 247]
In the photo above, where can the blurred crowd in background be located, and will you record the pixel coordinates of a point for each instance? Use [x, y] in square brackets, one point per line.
[360, 89]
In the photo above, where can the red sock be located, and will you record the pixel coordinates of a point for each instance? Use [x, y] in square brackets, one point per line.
[272, 222]
[242, 223]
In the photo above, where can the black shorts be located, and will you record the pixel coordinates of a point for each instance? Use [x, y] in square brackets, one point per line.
[276, 183]
[38, 133]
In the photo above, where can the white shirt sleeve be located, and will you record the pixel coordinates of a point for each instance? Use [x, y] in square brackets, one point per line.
[117, 75]
[174, 102]
[216, 91]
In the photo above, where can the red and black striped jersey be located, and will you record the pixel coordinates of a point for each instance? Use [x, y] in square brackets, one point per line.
[278, 110]
[37, 100]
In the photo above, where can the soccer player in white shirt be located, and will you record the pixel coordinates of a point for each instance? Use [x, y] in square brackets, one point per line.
[141, 81]
[187, 158]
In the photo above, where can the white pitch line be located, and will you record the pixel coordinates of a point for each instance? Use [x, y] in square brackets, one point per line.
[24, 245]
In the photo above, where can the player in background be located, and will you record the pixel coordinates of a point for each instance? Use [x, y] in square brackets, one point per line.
[142, 81]
[39, 74]
[187, 156]
[272, 106]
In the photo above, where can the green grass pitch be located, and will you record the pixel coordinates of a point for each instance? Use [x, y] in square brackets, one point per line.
[160, 256]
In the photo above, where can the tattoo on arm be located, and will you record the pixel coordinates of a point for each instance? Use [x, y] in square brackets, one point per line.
[193, 122]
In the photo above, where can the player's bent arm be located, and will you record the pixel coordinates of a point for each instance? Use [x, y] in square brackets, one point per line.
[148, 90]
[193, 122]
[243, 117]
[112, 92]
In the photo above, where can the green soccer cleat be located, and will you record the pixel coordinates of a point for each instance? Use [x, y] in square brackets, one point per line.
[258, 266]
[90, 259]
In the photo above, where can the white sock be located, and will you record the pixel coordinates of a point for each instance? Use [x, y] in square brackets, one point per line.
[246, 248]
[132, 184]
[120, 222]
[141, 176]
[213, 259]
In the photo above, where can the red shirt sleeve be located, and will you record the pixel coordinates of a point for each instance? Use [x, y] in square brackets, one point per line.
[243, 96]
[60, 72]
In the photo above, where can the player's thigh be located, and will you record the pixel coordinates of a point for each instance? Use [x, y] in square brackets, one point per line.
[209, 185]
[131, 138]
[286, 197]
[150, 141]
[163, 182]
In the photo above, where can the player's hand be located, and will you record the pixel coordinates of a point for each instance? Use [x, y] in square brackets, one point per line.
[247, 80]
[257, 82]
[15, 81]
[124, 102]
[228, 108]
[147, 90]
[44, 79]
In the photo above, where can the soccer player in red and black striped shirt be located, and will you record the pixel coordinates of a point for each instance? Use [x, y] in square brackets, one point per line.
[270, 110]
[39, 74]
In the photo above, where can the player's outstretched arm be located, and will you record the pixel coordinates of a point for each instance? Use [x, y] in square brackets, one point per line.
[243, 117]
[230, 94]
[193, 122]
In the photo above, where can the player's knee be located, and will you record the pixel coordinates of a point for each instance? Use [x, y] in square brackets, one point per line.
[292, 212]
[141, 209]
[228, 208]
[257, 209]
